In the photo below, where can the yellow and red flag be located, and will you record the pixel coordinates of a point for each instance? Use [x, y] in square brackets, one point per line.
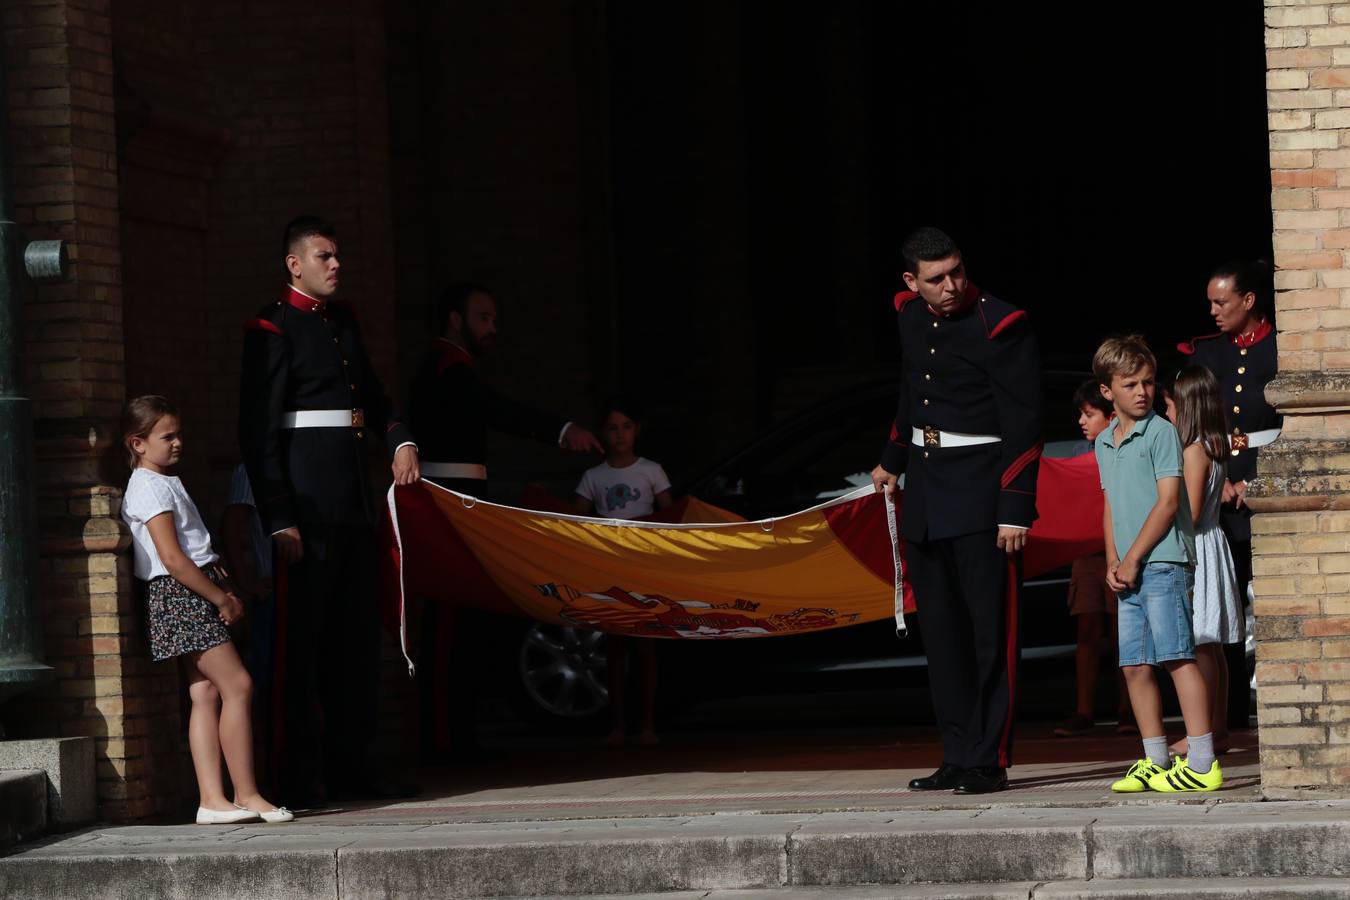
[704, 576]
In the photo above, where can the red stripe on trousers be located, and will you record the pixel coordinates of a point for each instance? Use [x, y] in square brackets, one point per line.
[1014, 589]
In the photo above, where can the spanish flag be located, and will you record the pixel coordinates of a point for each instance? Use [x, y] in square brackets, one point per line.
[704, 576]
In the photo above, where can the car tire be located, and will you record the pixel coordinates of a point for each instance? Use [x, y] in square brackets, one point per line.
[559, 678]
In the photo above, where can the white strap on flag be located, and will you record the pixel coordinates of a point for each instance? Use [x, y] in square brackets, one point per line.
[402, 594]
[900, 629]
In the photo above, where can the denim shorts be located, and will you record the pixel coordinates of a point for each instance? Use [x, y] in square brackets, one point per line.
[1155, 618]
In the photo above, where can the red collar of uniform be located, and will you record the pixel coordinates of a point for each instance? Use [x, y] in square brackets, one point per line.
[967, 301]
[450, 354]
[304, 302]
[1257, 335]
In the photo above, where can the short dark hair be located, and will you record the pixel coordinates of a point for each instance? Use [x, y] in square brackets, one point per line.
[1089, 393]
[623, 404]
[1249, 276]
[455, 298]
[926, 244]
[302, 227]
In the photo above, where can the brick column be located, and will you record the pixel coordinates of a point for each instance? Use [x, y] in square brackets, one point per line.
[63, 148]
[1301, 535]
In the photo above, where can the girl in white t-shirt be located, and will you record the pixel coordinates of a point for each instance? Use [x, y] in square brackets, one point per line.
[625, 486]
[188, 611]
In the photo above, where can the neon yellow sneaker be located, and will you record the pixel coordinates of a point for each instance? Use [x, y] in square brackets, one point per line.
[1182, 779]
[1136, 780]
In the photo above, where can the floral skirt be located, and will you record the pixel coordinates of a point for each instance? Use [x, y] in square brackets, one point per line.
[181, 620]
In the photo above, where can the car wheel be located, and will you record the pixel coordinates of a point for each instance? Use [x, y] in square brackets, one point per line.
[562, 675]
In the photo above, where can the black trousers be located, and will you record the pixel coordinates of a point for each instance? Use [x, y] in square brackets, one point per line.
[331, 657]
[967, 591]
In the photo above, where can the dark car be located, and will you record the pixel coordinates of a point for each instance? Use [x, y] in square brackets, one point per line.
[811, 457]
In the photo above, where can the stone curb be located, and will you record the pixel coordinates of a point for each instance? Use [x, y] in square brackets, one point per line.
[1002, 849]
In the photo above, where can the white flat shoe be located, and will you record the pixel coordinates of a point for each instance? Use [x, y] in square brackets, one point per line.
[271, 816]
[224, 816]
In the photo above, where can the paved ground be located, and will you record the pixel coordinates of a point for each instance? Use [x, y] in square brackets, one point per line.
[768, 773]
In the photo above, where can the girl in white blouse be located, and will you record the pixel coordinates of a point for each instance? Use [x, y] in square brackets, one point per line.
[188, 610]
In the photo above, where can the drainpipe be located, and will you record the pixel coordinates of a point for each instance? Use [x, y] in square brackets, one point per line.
[21, 666]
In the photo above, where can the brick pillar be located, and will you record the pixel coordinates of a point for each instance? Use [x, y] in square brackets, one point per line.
[1301, 534]
[63, 148]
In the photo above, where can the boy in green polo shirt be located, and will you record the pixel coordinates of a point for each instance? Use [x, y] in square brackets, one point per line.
[1150, 564]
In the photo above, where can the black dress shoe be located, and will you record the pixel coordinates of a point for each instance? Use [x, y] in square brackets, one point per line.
[983, 780]
[944, 779]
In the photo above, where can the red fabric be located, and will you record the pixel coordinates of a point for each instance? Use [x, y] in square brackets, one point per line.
[303, 303]
[861, 527]
[1008, 322]
[904, 297]
[1068, 502]
[1019, 464]
[1069, 506]
[262, 325]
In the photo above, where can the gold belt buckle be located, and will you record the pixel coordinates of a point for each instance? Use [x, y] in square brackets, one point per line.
[1239, 441]
[931, 436]
[358, 418]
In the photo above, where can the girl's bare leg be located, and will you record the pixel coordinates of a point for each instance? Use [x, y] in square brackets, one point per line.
[1219, 698]
[204, 735]
[222, 665]
[1214, 670]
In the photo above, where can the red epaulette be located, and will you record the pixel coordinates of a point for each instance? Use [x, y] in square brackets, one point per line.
[262, 325]
[904, 297]
[998, 315]
[1007, 322]
[1188, 347]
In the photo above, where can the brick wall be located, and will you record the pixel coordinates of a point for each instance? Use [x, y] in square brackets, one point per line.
[63, 143]
[169, 146]
[1301, 535]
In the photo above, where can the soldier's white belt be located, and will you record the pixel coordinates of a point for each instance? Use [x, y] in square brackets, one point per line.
[1253, 439]
[324, 418]
[453, 470]
[932, 437]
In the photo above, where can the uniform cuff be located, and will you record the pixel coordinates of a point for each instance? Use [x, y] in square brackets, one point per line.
[405, 444]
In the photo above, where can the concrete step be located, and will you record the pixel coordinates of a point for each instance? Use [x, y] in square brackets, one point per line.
[1134, 889]
[1009, 849]
[23, 805]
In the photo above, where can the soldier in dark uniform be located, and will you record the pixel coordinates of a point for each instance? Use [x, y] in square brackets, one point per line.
[967, 436]
[311, 412]
[1242, 356]
[451, 409]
